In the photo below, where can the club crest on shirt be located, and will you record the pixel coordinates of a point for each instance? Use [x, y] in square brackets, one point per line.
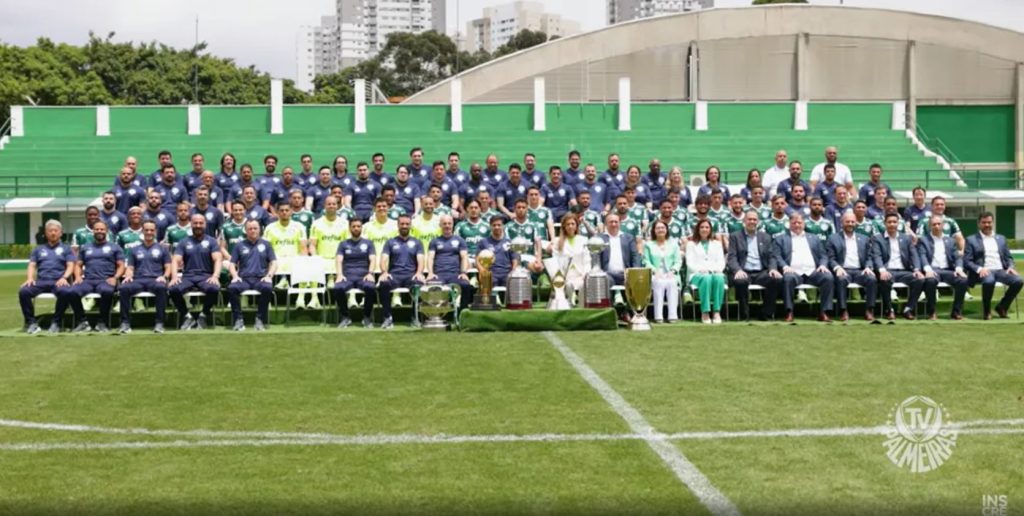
[261, 248]
[205, 244]
[106, 249]
[362, 247]
[58, 251]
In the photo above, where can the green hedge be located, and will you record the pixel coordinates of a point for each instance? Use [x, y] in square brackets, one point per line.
[15, 251]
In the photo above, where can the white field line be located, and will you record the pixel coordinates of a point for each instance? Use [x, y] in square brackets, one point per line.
[715, 501]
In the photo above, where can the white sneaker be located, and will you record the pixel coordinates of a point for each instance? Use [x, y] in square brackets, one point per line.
[968, 297]
[717, 319]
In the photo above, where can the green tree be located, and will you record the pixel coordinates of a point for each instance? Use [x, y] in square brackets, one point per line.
[524, 39]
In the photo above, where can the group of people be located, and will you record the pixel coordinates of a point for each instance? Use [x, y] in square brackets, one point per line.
[170, 234]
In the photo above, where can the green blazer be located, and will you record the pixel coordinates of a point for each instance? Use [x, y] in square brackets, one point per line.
[668, 258]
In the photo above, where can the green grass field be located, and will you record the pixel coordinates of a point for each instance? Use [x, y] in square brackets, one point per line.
[315, 420]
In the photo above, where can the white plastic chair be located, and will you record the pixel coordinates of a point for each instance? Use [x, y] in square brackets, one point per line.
[306, 269]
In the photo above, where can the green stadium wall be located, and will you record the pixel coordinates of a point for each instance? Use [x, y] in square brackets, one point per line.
[976, 134]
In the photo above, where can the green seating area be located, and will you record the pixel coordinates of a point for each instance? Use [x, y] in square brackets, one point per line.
[60, 155]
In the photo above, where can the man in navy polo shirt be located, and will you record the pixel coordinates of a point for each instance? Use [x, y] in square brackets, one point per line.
[306, 177]
[574, 174]
[505, 259]
[531, 174]
[493, 175]
[149, 266]
[407, 193]
[378, 175]
[362, 193]
[418, 170]
[127, 193]
[599, 192]
[252, 267]
[475, 184]
[449, 190]
[164, 158]
[171, 192]
[197, 259]
[402, 261]
[51, 266]
[100, 264]
[194, 178]
[511, 190]
[114, 219]
[654, 180]
[214, 217]
[448, 260]
[156, 213]
[558, 196]
[253, 210]
[456, 174]
[319, 191]
[353, 265]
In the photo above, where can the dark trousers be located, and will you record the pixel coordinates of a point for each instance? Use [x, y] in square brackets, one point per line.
[341, 289]
[387, 287]
[869, 282]
[931, 285]
[86, 287]
[27, 294]
[618, 278]
[768, 295]
[265, 289]
[907, 278]
[466, 289]
[823, 280]
[138, 286]
[198, 283]
[988, 288]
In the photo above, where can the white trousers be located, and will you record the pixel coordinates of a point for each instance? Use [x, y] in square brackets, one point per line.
[665, 288]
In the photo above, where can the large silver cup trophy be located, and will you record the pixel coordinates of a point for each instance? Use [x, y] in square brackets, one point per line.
[596, 285]
[638, 296]
[435, 303]
[519, 285]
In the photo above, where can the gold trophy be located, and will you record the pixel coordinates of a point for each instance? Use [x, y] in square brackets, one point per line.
[638, 296]
[484, 298]
[558, 300]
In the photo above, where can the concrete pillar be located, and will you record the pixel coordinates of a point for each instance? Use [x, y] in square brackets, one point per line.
[102, 120]
[899, 116]
[911, 116]
[276, 106]
[17, 121]
[539, 105]
[1020, 123]
[624, 104]
[802, 68]
[800, 115]
[359, 88]
[700, 116]
[194, 120]
[694, 71]
[456, 105]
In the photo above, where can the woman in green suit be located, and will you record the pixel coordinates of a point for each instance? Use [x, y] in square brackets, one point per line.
[705, 263]
[663, 257]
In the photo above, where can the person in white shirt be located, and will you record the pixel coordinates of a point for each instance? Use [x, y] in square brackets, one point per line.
[573, 257]
[843, 175]
[941, 262]
[849, 257]
[802, 259]
[989, 261]
[776, 173]
[705, 267]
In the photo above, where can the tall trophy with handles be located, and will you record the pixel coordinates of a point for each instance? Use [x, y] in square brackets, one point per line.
[638, 296]
[519, 285]
[596, 284]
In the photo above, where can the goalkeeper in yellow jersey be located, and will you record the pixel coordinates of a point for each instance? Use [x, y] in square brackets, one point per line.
[324, 236]
[288, 239]
[380, 228]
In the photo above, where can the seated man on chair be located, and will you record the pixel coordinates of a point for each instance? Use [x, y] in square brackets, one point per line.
[989, 261]
[402, 262]
[897, 261]
[849, 256]
[354, 264]
[448, 261]
[252, 267]
[149, 266]
[801, 258]
[749, 262]
[51, 267]
[941, 262]
[100, 264]
[621, 253]
[197, 260]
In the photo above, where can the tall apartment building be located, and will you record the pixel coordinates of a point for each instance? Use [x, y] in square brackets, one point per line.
[499, 24]
[625, 10]
[358, 30]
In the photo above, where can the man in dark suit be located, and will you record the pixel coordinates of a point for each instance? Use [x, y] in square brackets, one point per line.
[750, 262]
[896, 261]
[989, 261]
[802, 259]
[941, 262]
[849, 257]
[621, 253]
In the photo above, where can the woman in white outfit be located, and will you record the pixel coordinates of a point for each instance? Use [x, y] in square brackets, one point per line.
[571, 251]
[705, 263]
[663, 257]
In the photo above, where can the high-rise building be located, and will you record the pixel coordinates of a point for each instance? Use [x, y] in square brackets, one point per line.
[358, 30]
[625, 10]
[499, 24]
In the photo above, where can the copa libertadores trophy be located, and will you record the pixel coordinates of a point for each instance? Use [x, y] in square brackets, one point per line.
[596, 284]
[435, 303]
[638, 296]
[519, 285]
[484, 298]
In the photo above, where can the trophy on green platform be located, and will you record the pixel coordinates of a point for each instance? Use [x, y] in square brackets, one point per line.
[484, 298]
[638, 296]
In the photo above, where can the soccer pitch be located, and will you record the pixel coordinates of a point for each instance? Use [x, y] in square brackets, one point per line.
[754, 419]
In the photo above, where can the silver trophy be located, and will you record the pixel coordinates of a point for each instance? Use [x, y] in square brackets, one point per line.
[519, 285]
[435, 303]
[559, 300]
[596, 285]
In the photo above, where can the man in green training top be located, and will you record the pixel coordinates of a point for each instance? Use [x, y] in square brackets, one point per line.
[232, 232]
[473, 229]
[83, 235]
[521, 227]
[182, 229]
[778, 222]
[297, 200]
